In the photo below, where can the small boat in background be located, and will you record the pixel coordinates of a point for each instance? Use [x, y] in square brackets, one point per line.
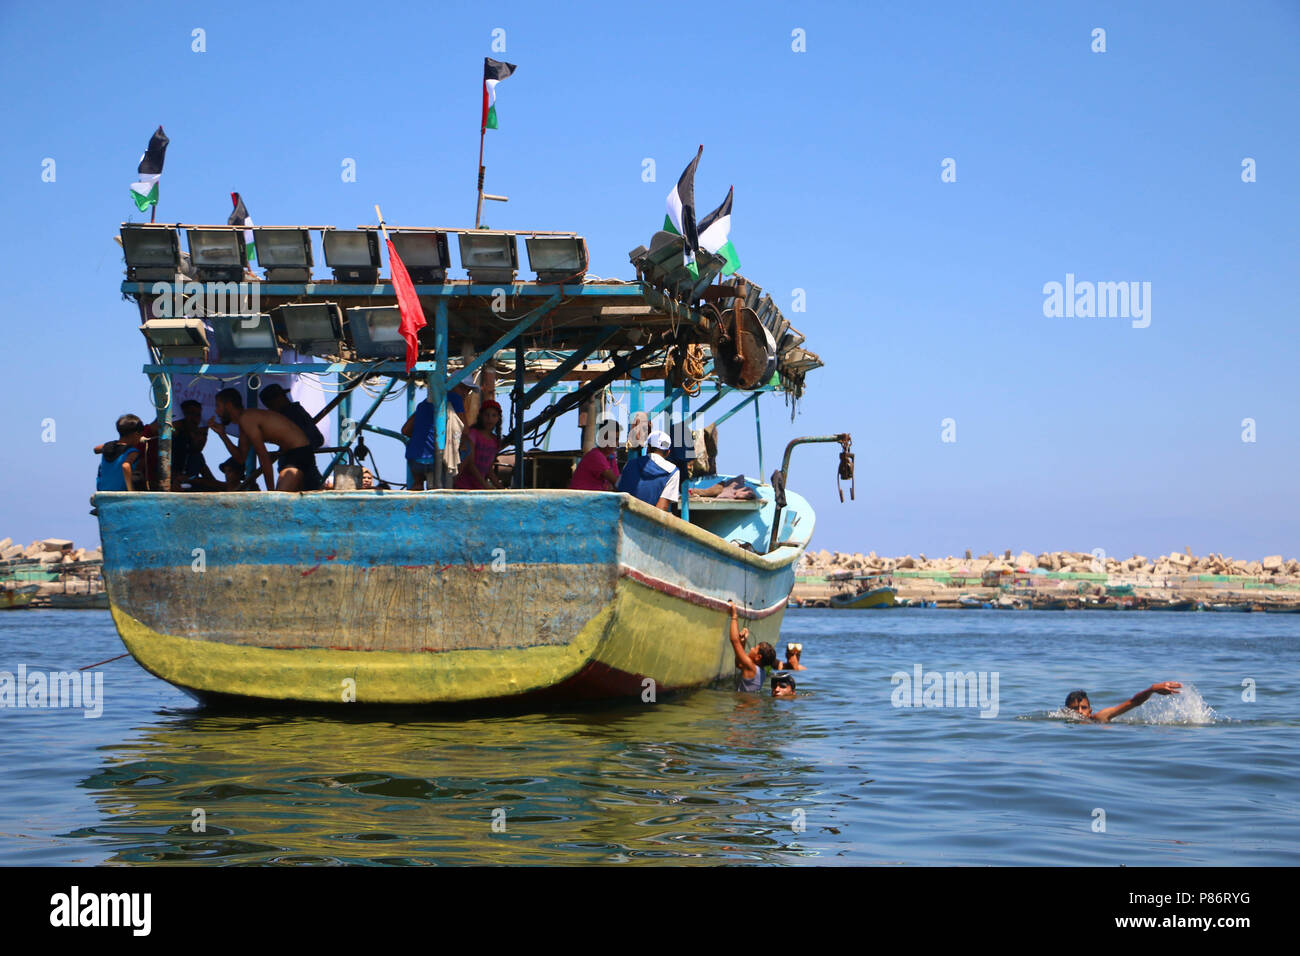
[15, 599]
[865, 600]
[1281, 608]
[1185, 605]
[970, 602]
[1239, 607]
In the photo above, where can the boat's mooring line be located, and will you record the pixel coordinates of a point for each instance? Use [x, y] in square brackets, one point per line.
[695, 597]
[109, 661]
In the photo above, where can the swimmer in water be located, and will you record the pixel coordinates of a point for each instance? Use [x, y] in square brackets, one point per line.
[782, 685]
[1078, 702]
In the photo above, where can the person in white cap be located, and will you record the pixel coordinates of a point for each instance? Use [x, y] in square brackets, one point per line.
[653, 478]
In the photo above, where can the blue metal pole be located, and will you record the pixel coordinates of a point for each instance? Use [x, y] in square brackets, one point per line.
[438, 386]
[758, 428]
[685, 431]
[410, 410]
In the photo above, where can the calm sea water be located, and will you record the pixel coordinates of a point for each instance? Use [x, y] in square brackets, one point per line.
[837, 776]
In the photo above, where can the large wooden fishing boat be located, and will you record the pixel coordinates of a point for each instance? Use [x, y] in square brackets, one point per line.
[533, 592]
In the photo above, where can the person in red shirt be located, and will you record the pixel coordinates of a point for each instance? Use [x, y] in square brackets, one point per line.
[598, 470]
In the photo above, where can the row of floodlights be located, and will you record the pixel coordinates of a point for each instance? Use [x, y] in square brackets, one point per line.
[309, 328]
[219, 254]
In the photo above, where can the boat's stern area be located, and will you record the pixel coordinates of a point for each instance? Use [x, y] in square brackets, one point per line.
[433, 597]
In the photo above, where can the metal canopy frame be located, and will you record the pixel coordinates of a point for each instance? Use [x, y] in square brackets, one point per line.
[577, 320]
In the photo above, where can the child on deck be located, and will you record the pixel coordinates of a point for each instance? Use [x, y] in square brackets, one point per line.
[118, 457]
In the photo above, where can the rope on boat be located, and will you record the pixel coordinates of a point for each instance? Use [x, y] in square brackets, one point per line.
[109, 661]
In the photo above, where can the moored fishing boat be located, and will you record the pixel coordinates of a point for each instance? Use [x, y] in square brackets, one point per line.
[881, 597]
[18, 597]
[534, 592]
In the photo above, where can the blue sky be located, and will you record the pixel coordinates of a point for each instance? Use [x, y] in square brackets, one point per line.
[925, 297]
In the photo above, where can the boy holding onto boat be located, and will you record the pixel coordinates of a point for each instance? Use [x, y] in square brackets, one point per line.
[1078, 702]
[257, 427]
[749, 664]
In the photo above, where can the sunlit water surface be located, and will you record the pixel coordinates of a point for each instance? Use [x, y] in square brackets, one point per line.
[838, 775]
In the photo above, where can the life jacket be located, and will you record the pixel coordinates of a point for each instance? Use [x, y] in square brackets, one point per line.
[645, 479]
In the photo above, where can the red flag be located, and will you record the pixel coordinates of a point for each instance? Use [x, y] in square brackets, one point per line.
[409, 304]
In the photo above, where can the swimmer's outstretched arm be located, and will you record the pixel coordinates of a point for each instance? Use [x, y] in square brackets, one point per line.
[1137, 700]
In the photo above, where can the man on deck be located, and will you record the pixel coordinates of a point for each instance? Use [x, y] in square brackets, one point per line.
[257, 427]
[653, 478]
[276, 399]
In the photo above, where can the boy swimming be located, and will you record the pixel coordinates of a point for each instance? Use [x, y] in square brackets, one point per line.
[1078, 702]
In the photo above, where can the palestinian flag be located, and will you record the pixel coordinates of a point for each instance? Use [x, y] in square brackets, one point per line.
[494, 71]
[681, 213]
[145, 189]
[715, 230]
[240, 217]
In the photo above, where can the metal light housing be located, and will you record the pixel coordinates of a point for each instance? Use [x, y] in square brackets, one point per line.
[177, 338]
[557, 258]
[489, 257]
[245, 338]
[376, 331]
[353, 254]
[284, 252]
[218, 255]
[314, 328]
[152, 252]
[424, 253]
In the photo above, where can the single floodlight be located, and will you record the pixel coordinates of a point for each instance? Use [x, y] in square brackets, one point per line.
[353, 254]
[557, 258]
[314, 328]
[152, 252]
[245, 338]
[424, 253]
[489, 257]
[284, 252]
[218, 254]
[177, 338]
[377, 331]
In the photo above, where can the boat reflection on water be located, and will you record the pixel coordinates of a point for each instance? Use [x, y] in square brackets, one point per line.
[701, 777]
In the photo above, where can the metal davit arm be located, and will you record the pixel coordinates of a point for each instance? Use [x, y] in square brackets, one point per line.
[844, 470]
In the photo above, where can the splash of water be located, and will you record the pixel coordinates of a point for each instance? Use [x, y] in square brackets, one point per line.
[1185, 709]
[1188, 707]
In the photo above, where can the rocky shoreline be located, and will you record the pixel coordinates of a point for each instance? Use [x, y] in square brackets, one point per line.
[1056, 579]
[52, 573]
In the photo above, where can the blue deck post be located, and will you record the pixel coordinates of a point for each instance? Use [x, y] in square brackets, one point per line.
[410, 410]
[686, 435]
[438, 387]
[758, 429]
[164, 431]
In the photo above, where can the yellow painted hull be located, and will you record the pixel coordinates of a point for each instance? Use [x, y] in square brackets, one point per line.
[647, 614]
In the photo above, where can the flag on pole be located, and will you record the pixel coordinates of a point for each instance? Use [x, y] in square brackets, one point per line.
[145, 189]
[408, 303]
[715, 232]
[240, 217]
[494, 71]
[681, 213]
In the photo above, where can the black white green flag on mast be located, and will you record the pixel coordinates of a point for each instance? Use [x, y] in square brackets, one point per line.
[681, 213]
[145, 189]
[240, 217]
[715, 235]
[494, 71]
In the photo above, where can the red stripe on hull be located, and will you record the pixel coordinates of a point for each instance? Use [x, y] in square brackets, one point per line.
[695, 597]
